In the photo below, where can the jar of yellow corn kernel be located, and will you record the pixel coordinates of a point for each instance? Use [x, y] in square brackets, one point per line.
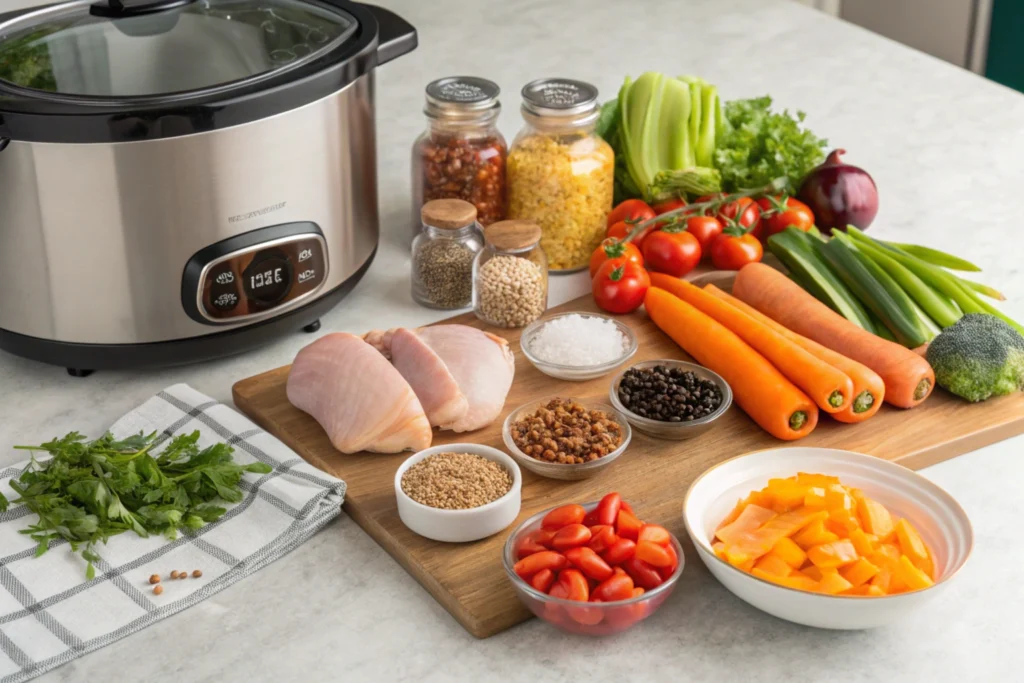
[560, 174]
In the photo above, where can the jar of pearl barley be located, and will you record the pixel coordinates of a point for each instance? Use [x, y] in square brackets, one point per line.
[510, 275]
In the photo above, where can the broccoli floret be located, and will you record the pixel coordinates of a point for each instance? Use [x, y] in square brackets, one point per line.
[978, 357]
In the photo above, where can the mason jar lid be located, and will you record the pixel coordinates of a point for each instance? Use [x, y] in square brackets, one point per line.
[512, 235]
[99, 49]
[462, 96]
[559, 97]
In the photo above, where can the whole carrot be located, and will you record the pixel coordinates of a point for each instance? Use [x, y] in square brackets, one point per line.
[868, 387]
[763, 392]
[908, 378]
[825, 385]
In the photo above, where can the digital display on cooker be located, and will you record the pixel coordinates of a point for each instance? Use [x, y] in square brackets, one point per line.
[268, 279]
[259, 279]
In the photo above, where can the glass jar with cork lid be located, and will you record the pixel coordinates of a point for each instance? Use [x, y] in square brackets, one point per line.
[510, 275]
[443, 254]
[461, 155]
[560, 174]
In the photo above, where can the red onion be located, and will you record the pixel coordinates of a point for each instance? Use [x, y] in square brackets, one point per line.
[840, 195]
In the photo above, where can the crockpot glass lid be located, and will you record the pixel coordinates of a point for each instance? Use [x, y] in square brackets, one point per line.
[146, 48]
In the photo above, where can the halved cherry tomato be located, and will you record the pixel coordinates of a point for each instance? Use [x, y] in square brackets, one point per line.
[542, 580]
[653, 554]
[615, 588]
[627, 526]
[570, 536]
[671, 251]
[655, 534]
[668, 205]
[642, 573]
[705, 229]
[574, 584]
[588, 562]
[544, 536]
[630, 210]
[588, 616]
[608, 509]
[729, 252]
[622, 230]
[619, 570]
[591, 518]
[613, 248]
[668, 571]
[559, 591]
[778, 213]
[603, 539]
[529, 546]
[621, 550]
[530, 565]
[563, 516]
[619, 286]
[627, 507]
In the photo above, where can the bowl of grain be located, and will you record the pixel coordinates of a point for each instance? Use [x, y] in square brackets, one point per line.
[577, 346]
[458, 492]
[566, 438]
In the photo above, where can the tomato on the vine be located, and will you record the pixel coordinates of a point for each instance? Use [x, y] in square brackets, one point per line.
[705, 229]
[743, 209]
[732, 252]
[631, 210]
[613, 248]
[779, 213]
[621, 230]
[619, 285]
[669, 205]
[672, 251]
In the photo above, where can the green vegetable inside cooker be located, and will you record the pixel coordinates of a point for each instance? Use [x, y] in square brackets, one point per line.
[90, 491]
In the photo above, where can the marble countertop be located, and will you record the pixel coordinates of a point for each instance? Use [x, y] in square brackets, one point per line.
[943, 145]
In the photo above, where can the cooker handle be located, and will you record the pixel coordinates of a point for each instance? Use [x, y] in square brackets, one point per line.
[118, 9]
[396, 35]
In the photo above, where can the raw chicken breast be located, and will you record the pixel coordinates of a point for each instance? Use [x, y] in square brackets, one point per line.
[360, 399]
[451, 365]
[438, 392]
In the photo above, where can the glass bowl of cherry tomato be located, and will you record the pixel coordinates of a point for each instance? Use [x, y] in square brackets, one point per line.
[583, 575]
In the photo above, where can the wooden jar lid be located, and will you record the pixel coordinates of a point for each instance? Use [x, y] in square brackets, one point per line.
[448, 214]
[512, 235]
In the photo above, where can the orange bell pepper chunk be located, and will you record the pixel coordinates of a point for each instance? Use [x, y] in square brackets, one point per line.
[750, 519]
[858, 573]
[914, 548]
[795, 581]
[864, 543]
[874, 518]
[914, 578]
[832, 583]
[814, 534]
[761, 541]
[821, 480]
[773, 564]
[832, 555]
[790, 552]
[866, 590]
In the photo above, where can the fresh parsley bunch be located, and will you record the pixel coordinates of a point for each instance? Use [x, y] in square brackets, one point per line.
[758, 145]
[90, 491]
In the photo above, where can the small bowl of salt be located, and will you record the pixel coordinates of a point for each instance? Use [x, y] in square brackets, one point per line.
[577, 346]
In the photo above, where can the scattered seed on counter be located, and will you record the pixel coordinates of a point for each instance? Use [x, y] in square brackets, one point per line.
[668, 394]
[196, 574]
[578, 341]
[183, 575]
[155, 578]
[174, 573]
[511, 291]
[566, 432]
[456, 481]
[158, 589]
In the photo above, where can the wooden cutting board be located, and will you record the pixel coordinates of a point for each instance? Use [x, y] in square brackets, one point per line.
[653, 475]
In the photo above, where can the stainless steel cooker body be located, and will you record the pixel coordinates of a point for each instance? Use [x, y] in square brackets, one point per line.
[95, 238]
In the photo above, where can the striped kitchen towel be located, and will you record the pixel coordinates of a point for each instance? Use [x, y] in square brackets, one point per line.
[50, 614]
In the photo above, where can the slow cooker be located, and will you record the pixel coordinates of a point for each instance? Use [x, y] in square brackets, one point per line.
[184, 179]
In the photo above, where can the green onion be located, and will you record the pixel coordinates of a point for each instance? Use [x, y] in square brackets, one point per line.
[936, 257]
[985, 290]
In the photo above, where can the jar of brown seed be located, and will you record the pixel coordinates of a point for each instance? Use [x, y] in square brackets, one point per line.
[510, 275]
[443, 253]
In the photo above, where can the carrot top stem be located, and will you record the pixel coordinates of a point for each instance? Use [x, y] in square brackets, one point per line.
[835, 399]
[864, 400]
[797, 420]
[923, 387]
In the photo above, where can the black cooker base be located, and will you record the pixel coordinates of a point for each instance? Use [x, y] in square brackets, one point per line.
[82, 359]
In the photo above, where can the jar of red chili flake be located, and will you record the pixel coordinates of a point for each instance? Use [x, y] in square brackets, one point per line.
[461, 155]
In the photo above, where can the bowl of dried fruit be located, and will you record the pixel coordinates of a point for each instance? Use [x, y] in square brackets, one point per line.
[458, 492]
[670, 399]
[565, 438]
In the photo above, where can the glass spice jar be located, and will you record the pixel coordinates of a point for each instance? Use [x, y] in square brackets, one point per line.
[510, 275]
[461, 155]
[561, 174]
[443, 254]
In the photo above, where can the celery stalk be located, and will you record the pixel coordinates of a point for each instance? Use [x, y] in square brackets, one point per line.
[706, 143]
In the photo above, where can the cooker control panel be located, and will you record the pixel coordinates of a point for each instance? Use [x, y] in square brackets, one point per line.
[247, 278]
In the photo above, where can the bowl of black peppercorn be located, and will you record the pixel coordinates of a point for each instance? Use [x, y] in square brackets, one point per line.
[670, 399]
